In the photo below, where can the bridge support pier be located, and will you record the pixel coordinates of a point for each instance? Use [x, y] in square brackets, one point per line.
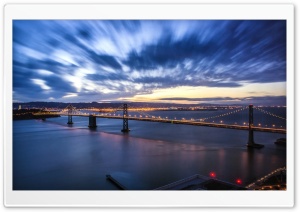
[92, 121]
[70, 119]
[70, 112]
[125, 119]
[251, 143]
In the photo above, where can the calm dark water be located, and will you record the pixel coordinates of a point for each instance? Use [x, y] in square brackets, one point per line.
[50, 155]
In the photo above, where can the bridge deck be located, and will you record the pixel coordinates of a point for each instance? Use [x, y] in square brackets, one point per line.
[186, 122]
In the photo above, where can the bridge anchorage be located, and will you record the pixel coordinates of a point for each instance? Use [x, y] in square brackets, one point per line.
[125, 119]
[251, 143]
[70, 112]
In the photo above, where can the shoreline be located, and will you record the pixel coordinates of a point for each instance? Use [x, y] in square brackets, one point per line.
[31, 116]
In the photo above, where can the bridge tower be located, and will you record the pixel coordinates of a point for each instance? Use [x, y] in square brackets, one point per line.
[251, 142]
[125, 119]
[70, 112]
[250, 137]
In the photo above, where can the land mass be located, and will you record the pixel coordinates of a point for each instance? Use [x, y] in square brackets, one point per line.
[134, 105]
[25, 114]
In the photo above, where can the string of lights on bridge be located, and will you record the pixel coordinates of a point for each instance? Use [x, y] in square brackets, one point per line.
[225, 114]
[142, 114]
[266, 112]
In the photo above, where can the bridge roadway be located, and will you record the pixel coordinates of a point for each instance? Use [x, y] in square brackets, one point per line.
[186, 122]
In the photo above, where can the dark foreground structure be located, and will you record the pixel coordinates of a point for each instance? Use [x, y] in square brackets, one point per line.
[195, 182]
[199, 182]
[276, 180]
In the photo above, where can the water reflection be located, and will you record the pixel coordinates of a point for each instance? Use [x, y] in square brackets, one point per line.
[51, 155]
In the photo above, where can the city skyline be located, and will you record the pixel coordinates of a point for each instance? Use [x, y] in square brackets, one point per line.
[196, 61]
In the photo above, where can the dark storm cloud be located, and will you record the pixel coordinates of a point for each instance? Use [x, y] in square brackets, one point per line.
[23, 80]
[168, 53]
[107, 76]
[84, 33]
[90, 54]
[59, 84]
[135, 57]
[104, 60]
[170, 81]
[241, 47]
[50, 65]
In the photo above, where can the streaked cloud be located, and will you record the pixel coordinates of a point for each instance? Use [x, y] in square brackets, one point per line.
[41, 83]
[260, 100]
[128, 60]
[68, 95]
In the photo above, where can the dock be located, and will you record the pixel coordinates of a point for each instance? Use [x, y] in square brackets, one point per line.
[114, 181]
[200, 182]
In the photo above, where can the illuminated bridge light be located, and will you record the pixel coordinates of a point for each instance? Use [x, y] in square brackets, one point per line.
[238, 181]
[212, 174]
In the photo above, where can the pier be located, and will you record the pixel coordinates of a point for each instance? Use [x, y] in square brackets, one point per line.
[114, 181]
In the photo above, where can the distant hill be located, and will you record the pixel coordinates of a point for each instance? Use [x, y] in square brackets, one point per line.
[104, 105]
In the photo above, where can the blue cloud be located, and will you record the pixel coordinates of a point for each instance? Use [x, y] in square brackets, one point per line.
[156, 53]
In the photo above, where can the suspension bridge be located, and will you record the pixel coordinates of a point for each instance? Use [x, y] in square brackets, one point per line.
[70, 111]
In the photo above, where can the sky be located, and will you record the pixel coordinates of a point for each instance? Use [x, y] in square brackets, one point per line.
[173, 61]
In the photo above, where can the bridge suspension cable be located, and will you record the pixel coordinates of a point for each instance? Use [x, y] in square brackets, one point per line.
[145, 114]
[200, 119]
[224, 114]
[269, 113]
